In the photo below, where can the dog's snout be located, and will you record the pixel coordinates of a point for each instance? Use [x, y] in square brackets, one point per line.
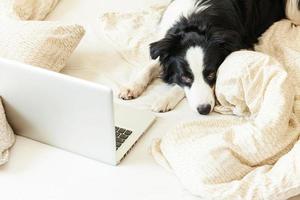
[204, 109]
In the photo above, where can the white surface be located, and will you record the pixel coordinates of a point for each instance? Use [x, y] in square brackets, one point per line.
[37, 171]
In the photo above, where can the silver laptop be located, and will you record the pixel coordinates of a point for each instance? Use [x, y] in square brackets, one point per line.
[69, 113]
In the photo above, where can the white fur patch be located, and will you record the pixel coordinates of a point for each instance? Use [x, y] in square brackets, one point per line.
[177, 9]
[292, 11]
[200, 92]
[168, 102]
[137, 86]
[202, 7]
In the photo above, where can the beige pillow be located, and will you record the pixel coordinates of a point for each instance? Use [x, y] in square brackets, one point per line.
[44, 44]
[7, 137]
[26, 9]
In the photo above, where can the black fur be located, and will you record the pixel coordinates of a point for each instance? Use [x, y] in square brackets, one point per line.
[224, 27]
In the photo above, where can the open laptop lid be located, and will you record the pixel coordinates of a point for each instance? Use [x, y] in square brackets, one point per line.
[59, 110]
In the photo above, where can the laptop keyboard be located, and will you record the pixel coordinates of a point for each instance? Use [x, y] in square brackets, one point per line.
[121, 135]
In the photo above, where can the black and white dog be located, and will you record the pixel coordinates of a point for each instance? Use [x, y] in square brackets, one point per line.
[196, 36]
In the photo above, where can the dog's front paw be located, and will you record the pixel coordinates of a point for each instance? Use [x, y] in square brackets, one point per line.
[131, 92]
[164, 104]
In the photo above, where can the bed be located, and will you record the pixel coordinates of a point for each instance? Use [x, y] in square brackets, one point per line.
[38, 171]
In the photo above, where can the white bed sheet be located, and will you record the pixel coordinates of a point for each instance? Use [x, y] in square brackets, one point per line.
[38, 171]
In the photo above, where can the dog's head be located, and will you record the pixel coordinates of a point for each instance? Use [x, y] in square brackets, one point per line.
[190, 57]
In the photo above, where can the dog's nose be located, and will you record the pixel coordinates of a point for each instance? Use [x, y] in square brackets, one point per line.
[204, 109]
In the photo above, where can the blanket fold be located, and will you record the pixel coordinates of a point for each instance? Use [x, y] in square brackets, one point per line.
[7, 137]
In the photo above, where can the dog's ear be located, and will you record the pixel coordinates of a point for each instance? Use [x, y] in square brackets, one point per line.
[171, 71]
[164, 47]
[229, 40]
[156, 49]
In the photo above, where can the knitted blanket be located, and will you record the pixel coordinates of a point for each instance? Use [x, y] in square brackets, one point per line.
[255, 153]
[252, 150]
[7, 137]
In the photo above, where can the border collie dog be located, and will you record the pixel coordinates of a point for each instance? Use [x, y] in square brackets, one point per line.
[195, 37]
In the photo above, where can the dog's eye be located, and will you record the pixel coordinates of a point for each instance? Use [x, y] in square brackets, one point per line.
[211, 76]
[186, 80]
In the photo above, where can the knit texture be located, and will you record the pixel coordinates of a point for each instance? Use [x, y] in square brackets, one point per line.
[130, 33]
[26, 9]
[252, 150]
[43, 44]
[236, 157]
[7, 137]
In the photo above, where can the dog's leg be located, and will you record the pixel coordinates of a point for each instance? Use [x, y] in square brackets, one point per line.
[136, 87]
[169, 101]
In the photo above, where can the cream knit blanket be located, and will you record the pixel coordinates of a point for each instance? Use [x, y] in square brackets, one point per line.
[245, 157]
[7, 137]
[253, 151]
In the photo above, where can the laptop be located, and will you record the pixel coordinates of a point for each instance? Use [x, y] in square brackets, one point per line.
[69, 113]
